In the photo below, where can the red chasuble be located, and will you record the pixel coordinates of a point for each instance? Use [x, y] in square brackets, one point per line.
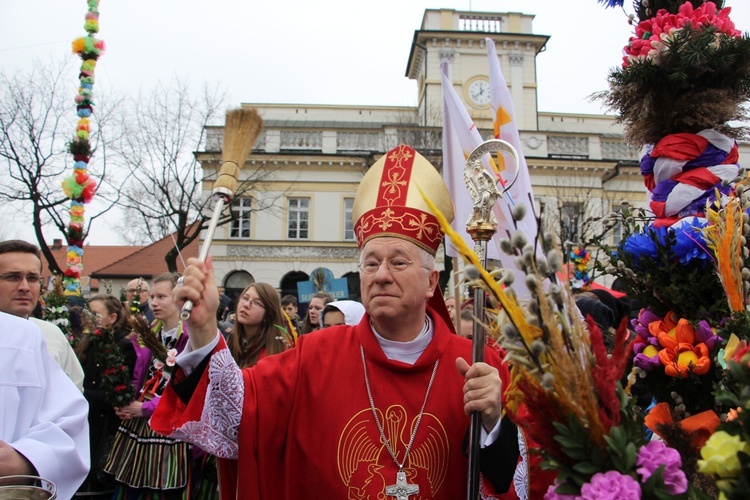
[307, 428]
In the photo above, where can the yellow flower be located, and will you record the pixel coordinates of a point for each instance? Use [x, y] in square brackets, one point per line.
[720, 455]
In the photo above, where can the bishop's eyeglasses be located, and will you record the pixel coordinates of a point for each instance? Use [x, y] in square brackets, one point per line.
[394, 265]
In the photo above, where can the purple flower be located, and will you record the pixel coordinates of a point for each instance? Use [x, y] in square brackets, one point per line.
[611, 485]
[640, 324]
[655, 454]
[704, 333]
[642, 359]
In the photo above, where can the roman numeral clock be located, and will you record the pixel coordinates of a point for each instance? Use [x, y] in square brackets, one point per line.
[477, 92]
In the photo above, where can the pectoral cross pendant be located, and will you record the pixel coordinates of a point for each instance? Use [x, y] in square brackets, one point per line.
[402, 490]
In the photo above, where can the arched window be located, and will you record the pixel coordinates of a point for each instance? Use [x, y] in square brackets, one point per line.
[235, 282]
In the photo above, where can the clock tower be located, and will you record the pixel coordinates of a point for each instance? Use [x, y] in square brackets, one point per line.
[459, 36]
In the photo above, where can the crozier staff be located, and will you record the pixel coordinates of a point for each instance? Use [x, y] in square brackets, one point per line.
[392, 393]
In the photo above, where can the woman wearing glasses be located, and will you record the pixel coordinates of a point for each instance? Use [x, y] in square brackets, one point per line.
[261, 328]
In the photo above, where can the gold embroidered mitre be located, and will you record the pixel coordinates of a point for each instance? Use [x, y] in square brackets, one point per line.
[388, 202]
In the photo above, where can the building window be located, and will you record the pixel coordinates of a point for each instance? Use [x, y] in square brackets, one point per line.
[298, 224]
[570, 219]
[348, 223]
[241, 209]
[617, 228]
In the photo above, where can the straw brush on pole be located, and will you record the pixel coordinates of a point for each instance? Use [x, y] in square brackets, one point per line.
[242, 127]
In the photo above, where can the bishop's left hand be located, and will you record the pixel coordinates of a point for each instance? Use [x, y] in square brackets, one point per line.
[482, 391]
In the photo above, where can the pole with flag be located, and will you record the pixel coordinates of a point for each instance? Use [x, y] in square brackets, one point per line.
[460, 138]
[505, 128]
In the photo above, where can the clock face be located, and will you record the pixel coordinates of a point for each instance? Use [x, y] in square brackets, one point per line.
[479, 92]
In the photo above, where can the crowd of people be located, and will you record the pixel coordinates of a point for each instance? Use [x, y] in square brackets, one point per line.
[231, 402]
[126, 459]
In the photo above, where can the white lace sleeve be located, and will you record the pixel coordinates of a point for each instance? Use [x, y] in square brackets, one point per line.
[521, 477]
[218, 429]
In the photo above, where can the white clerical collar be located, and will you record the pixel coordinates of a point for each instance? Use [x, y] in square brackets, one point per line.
[406, 352]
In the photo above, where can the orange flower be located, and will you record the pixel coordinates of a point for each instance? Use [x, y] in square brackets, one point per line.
[682, 333]
[733, 414]
[684, 359]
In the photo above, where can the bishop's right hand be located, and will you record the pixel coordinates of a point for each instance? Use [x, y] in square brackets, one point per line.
[199, 286]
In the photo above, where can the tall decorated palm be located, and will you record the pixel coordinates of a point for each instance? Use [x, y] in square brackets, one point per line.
[681, 92]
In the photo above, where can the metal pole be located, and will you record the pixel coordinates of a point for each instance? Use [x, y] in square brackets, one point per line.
[482, 224]
[478, 342]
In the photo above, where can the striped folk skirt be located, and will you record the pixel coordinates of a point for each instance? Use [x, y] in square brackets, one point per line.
[141, 458]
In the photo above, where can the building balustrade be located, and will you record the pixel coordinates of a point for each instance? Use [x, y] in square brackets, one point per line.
[592, 147]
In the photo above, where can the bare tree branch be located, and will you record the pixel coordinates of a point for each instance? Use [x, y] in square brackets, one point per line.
[159, 143]
[36, 121]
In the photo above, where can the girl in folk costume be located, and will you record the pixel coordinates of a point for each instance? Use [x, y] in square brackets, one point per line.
[103, 422]
[314, 308]
[145, 465]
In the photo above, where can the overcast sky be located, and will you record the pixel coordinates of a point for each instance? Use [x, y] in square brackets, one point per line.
[303, 51]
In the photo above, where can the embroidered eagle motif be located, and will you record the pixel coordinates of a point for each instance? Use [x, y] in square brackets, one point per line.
[362, 457]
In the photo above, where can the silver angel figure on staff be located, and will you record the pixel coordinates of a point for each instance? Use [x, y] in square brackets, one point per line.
[484, 193]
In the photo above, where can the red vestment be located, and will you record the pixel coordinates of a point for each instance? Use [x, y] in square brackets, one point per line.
[307, 428]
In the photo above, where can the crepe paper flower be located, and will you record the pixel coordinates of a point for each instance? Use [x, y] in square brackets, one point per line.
[611, 485]
[665, 327]
[158, 365]
[720, 457]
[689, 240]
[688, 245]
[640, 324]
[77, 208]
[726, 353]
[654, 36]
[685, 359]
[171, 357]
[580, 258]
[647, 354]
[733, 414]
[681, 333]
[705, 334]
[640, 245]
[740, 353]
[655, 454]
[71, 188]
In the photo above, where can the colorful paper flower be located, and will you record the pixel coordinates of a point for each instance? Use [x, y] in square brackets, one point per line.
[656, 454]
[80, 187]
[653, 36]
[647, 354]
[678, 346]
[720, 457]
[611, 485]
[171, 357]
